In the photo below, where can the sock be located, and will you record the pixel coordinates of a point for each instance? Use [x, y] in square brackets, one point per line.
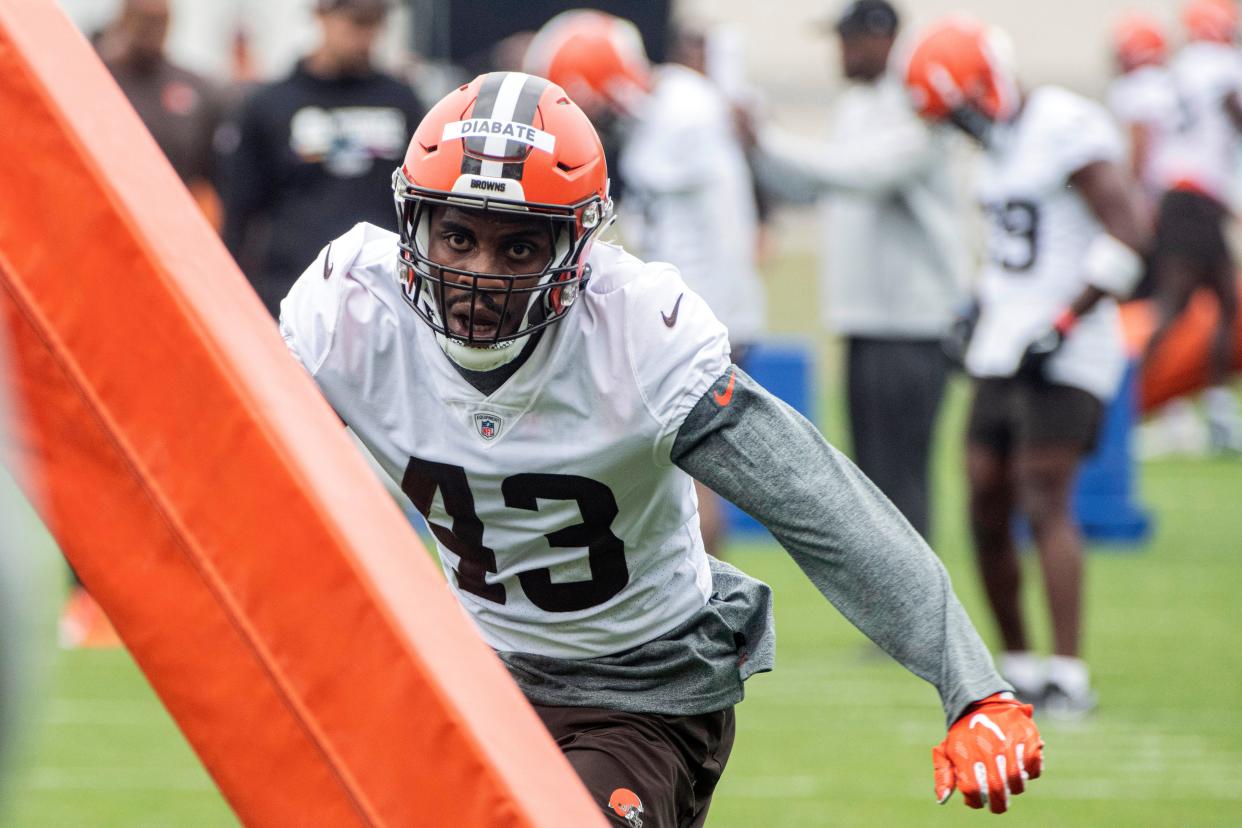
[1070, 674]
[1023, 669]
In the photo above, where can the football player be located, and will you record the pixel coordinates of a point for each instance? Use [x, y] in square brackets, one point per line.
[1145, 101]
[600, 61]
[1065, 237]
[1143, 97]
[893, 260]
[1198, 170]
[546, 400]
[689, 195]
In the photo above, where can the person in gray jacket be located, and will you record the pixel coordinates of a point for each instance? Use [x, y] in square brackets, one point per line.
[893, 258]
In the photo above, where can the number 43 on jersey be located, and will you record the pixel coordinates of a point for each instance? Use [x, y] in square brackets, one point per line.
[596, 503]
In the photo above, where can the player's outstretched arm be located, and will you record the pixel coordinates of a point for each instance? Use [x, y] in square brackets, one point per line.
[853, 544]
[881, 163]
[849, 539]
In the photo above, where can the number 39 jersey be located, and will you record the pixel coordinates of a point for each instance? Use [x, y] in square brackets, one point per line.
[562, 524]
[1039, 229]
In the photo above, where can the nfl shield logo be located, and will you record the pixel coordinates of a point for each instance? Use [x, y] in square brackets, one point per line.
[488, 425]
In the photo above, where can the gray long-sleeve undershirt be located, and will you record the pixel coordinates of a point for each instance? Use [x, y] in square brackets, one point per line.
[852, 543]
[847, 537]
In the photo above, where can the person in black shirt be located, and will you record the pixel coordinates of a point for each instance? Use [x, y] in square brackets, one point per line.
[313, 154]
[181, 109]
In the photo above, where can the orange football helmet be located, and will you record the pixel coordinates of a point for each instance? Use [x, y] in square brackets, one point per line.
[1138, 40]
[510, 142]
[597, 58]
[961, 70]
[1215, 21]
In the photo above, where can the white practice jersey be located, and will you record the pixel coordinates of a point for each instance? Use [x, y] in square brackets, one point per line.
[1148, 97]
[1039, 229]
[689, 197]
[1203, 147]
[562, 524]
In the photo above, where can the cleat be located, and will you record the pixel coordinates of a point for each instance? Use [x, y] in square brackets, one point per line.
[1057, 703]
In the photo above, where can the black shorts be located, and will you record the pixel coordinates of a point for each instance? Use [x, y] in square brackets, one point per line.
[1191, 226]
[1011, 412]
[645, 770]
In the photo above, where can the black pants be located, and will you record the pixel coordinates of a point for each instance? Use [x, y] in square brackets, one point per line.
[645, 770]
[894, 390]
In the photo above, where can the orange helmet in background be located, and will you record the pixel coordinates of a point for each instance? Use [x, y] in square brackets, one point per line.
[597, 58]
[511, 143]
[1138, 40]
[961, 70]
[1215, 21]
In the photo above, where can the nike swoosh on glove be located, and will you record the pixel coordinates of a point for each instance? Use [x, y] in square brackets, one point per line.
[989, 753]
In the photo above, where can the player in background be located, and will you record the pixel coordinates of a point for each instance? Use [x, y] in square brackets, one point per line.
[307, 156]
[180, 108]
[601, 62]
[1198, 175]
[1143, 97]
[1065, 238]
[893, 260]
[546, 400]
[1144, 100]
[689, 194]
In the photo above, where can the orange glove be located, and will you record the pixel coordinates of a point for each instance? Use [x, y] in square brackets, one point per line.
[989, 753]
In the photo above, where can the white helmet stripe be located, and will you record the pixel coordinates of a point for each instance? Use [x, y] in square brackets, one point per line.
[999, 52]
[506, 103]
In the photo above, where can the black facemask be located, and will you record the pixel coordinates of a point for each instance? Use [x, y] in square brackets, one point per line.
[972, 122]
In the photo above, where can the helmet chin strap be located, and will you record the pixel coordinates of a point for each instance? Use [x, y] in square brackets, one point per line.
[481, 358]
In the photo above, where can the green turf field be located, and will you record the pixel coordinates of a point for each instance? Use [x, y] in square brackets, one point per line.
[838, 735]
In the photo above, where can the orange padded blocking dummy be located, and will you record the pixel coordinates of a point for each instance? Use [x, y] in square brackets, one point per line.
[272, 593]
[1180, 365]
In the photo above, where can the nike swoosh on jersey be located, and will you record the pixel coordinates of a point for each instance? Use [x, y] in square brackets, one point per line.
[724, 399]
[670, 321]
[328, 265]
